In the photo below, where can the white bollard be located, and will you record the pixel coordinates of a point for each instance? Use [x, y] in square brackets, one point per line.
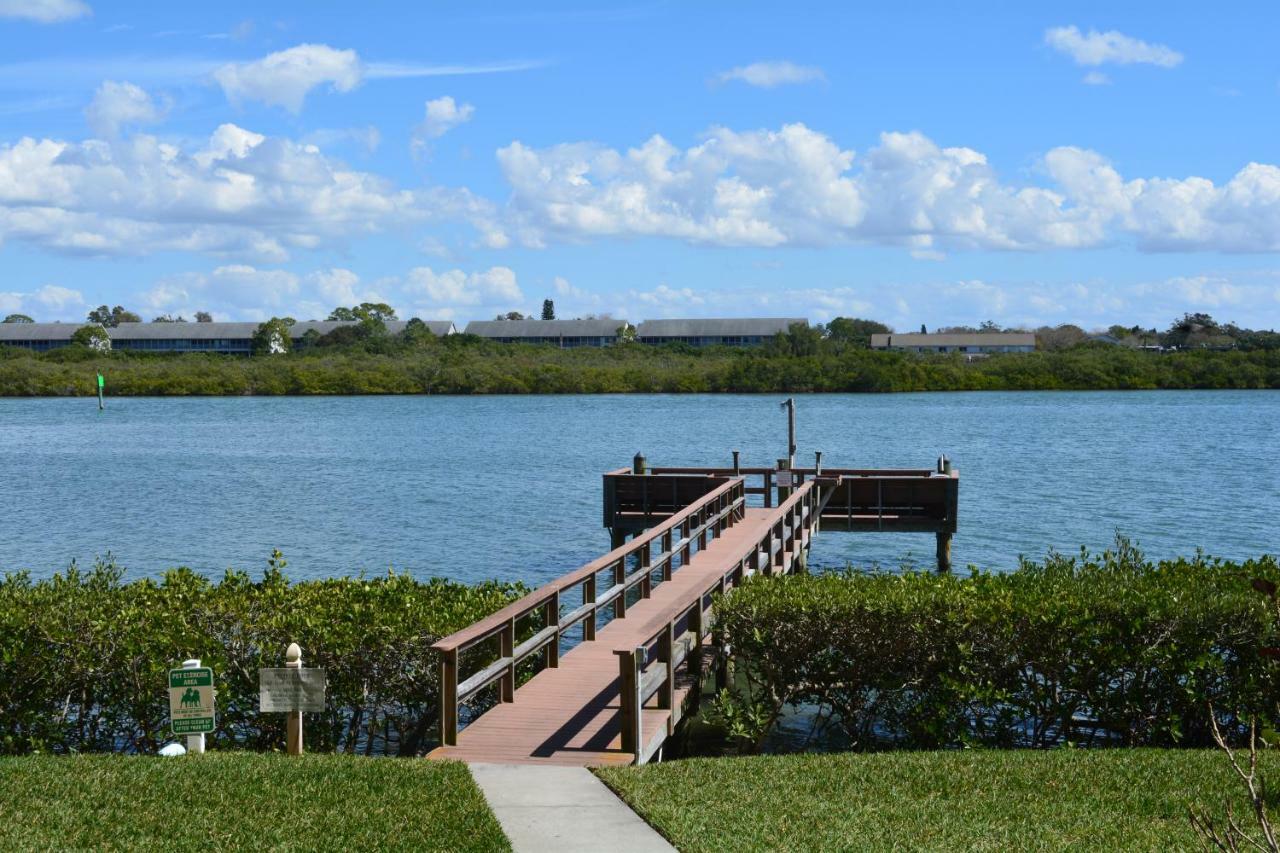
[195, 743]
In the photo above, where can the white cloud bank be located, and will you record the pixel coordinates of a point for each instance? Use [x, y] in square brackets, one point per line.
[797, 187]
[768, 75]
[44, 11]
[285, 78]
[1095, 48]
[242, 194]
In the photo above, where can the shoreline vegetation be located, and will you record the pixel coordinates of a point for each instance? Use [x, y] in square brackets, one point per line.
[462, 364]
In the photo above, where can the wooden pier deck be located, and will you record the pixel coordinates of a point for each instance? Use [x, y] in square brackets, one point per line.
[570, 714]
[616, 696]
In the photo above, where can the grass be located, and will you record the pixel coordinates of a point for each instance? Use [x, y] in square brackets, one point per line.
[1119, 799]
[242, 802]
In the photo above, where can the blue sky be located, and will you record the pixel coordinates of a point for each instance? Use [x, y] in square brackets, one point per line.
[1093, 163]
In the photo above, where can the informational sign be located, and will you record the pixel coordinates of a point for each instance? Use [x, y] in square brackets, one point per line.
[784, 479]
[286, 689]
[191, 700]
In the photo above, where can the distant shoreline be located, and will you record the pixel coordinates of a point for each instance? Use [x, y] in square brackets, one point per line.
[443, 368]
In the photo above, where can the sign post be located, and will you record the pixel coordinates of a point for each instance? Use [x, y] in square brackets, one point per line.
[293, 690]
[191, 702]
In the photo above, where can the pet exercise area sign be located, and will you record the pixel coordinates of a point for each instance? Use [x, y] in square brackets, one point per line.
[191, 700]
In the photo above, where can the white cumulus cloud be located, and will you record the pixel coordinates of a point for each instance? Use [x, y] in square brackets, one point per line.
[768, 75]
[285, 78]
[116, 105]
[456, 287]
[442, 115]
[44, 11]
[1095, 48]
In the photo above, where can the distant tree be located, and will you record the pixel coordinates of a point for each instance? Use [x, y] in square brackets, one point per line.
[94, 337]
[548, 309]
[169, 318]
[1059, 337]
[112, 317]
[923, 330]
[798, 339]
[1193, 330]
[989, 326]
[204, 317]
[272, 338]
[626, 333]
[18, 318]
[510, 315]
[309, 339]
[365, 311]
[416, 332]
[854, 331]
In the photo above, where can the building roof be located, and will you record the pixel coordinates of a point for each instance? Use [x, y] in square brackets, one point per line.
[970, 340]
[37, 331]
[189, 331]
[606, 328]
[973, 339]
[717, 328]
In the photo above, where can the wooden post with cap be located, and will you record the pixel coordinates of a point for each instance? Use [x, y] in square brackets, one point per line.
[293, 725]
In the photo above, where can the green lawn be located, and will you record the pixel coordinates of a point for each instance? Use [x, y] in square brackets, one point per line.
[242, 802]
[1132, 799]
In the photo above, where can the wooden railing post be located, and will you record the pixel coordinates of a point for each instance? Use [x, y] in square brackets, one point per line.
[507, 639]
[695, 654]
[686, 533]
[589, 597]
[551, 613]
[780, 533]
[646, 555]
[667, 693]
[449, 697]
[666, 549]
[629, 663]
[620, 577]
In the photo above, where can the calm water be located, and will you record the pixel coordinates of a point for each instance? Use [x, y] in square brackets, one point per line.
[509, 487]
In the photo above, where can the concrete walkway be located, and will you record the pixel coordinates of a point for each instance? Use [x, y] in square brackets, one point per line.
[562, 809]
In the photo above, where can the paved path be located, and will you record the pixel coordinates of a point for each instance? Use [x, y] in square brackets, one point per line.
[563, 810]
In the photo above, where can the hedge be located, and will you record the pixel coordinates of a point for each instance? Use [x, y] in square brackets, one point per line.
[83, 656]
[1081, 650]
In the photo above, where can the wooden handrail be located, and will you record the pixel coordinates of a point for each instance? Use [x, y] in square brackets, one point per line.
[710, 514]
[788, 529]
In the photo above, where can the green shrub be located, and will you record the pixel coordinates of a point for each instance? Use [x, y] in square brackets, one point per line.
[83, 656]
[1106, 649]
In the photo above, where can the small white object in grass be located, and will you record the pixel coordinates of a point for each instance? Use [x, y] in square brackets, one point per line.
[172, 749]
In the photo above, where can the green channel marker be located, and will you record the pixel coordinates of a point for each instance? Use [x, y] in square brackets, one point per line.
[101, 383]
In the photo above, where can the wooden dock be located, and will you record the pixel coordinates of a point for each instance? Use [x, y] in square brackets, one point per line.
[644, 614]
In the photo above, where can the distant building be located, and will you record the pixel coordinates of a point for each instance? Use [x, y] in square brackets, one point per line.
[566, 334]
[229, 338]
[745, 332]
[977, 343]
[1104, 338]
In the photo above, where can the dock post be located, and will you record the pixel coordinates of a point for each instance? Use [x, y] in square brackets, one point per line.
[790, 405]
[944, 551]
[817, 463]
[638, 464]
[784, 492]
[737, 469]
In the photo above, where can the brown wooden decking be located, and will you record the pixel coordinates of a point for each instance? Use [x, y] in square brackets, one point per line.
[569, 714]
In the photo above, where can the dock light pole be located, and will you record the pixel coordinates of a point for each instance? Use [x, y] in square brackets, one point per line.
[638, 464]
[790, 405]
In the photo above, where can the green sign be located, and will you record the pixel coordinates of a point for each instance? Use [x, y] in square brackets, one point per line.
[100, 380]
[191, 700]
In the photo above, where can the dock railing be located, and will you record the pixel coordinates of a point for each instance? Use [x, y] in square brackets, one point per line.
[678, 636]
[677, 536]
